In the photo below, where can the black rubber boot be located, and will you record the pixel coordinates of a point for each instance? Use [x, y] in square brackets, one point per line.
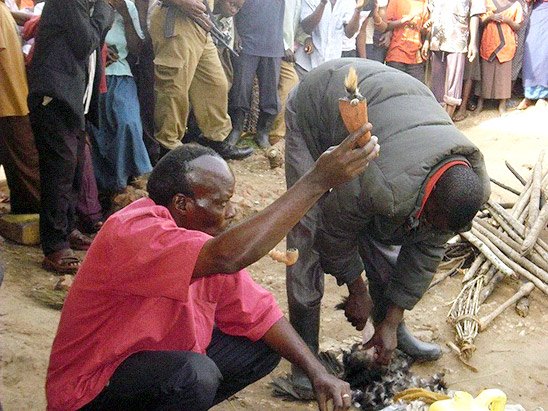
[419, 350]
[226, 151]
[237, 127]
[263, 129]
[307, 324]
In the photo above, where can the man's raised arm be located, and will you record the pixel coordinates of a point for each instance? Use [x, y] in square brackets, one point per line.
[245, 243]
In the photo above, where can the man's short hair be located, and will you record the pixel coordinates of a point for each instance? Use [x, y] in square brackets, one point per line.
[459, 195]
[170, 175]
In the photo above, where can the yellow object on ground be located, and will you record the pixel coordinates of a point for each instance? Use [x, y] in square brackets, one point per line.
[493, 400]
[21, 228]
[413, 394]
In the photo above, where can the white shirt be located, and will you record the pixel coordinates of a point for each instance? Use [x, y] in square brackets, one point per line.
[349, 44]
[328, 34]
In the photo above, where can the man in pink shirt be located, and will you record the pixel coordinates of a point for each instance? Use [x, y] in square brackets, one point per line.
[162, 314]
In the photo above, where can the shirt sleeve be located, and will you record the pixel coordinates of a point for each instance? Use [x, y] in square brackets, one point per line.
[338, 236]
[349, 7]
[307, 8]
[392, 11]
[134, 14]
[246, 309]
[415, 267]
[477, 7]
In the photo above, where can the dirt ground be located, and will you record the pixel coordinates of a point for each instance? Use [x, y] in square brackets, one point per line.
[511, 355]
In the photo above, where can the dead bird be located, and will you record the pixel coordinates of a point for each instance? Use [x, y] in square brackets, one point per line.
[374, 386]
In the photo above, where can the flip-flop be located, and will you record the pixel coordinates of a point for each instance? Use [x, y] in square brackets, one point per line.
[79, 241]
[66, 264]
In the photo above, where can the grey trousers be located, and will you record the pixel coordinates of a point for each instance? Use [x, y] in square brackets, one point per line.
[267, 70]
[305, 279]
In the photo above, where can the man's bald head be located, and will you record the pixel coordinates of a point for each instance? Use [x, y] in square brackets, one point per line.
[177, 171]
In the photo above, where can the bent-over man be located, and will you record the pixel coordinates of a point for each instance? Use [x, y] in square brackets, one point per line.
[394, 219]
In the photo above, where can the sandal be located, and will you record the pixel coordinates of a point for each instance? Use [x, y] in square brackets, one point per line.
[66, 263]
[79, 241]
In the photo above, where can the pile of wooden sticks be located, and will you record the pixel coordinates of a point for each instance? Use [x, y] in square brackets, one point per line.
[508, 245]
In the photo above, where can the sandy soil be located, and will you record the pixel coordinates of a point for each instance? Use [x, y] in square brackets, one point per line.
[511, 355]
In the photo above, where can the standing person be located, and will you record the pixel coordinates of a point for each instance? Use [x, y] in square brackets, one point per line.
[163, 315]
[373, 39]
[498, 47]
[188, 72]
[326, 21]
[118, 149]
[64, 77]
[18, 153]
[535, 58]
[288, 75]
[405, 20]
[259, 24]
[393, 220]
[453, 30]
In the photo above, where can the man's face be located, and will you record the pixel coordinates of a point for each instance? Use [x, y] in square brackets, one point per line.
[212, 184]
[228, 8]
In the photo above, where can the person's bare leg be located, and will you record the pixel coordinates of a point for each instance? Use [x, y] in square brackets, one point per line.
[480, 106]
[466, 91]
[450, 109]
[502, 107]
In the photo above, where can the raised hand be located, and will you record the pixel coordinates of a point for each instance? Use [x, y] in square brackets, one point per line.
[343, 162]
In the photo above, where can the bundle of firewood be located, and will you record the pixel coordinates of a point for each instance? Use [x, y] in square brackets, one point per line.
[507, 244]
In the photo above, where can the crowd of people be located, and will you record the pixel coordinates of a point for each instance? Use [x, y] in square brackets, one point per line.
[93, 94]
[169, 72]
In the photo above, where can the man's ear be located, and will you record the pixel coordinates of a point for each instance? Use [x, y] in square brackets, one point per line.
[183, 204]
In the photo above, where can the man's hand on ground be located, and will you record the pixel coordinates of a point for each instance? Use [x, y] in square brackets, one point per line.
[328, 387]
[345, 161]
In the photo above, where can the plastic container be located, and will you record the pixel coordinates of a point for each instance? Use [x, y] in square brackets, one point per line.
[488, 400]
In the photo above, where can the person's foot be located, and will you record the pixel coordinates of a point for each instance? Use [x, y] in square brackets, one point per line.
[541, 103]
[225, 150]
[525, 103]
[502, 107]
[459, 116]
[79, 241]
[419, 350]
[62, 261]
[262, 139]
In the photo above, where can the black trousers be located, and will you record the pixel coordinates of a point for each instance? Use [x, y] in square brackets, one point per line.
[60, 145]
[414, 70]
[182, 380]
[267, 70]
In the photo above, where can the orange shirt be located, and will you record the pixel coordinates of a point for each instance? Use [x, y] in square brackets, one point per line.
[406, 40]
[491, 40]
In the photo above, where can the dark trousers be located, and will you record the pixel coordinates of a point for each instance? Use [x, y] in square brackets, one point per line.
[60, 145]
[19, 157]
[414, 70]
[267, 70]
[143, 73]
[182, 380]
[376, 53]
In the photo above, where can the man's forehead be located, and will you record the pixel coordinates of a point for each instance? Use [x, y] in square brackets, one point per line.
[209, 167]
